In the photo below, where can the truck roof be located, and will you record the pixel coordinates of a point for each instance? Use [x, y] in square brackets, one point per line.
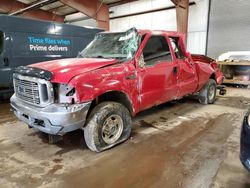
[172, 33]
[146, 31]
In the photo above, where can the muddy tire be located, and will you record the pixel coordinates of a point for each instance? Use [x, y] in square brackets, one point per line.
[108, 124]
[207, 94]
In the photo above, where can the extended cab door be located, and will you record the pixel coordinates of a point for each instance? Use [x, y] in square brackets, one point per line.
[187, 78]
[157, 80]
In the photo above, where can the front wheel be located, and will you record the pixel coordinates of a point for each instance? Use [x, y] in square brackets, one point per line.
[207, 95]
[109, 124]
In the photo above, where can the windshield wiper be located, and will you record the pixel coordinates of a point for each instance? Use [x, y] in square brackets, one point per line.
[79, 55]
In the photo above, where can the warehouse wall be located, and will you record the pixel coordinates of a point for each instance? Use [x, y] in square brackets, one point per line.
[229, 27]
[164, 20]
[156, 20]
[197, 27]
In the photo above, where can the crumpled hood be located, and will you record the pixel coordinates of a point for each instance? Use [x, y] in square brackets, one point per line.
[64, 70]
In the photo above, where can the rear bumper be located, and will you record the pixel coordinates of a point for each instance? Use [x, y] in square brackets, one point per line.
[245, 144]
[55, 119]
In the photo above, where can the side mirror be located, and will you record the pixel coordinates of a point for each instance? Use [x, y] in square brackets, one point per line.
[141, 61]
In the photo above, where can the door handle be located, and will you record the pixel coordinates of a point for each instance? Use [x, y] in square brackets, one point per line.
[6, 61]
[175, 70]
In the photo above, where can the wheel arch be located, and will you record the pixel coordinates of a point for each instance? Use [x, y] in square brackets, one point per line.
[213, 76]
[115, 96]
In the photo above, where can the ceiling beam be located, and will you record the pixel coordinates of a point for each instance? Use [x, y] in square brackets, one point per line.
[93, 9]
[34, 6]
[174, 1]
[10, 6]
[182, 10]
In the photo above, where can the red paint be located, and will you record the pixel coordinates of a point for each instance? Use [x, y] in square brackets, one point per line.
[145, 87]
[65, 69]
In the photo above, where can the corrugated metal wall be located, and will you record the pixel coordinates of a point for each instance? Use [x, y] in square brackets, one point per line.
[229, 27]
[156, 20]
[197, 27]
[196, 42]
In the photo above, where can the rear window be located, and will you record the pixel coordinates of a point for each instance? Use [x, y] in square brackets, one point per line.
[1, 42]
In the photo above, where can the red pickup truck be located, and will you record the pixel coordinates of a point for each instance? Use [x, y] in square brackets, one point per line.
[116, 76]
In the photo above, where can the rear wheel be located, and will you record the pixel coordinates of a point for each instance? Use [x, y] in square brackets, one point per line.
[109, 124]
[207, 95]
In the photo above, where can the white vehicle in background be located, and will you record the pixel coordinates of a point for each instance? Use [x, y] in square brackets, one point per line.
[235, 66]
[235, 56]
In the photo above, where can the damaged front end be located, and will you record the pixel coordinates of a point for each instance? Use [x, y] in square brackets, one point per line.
[48, 107]
[51, 100]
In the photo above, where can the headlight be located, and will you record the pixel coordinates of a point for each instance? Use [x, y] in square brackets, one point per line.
[65, 93]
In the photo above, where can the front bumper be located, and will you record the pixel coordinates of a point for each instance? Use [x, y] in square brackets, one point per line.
[245, 143]
[55, 119]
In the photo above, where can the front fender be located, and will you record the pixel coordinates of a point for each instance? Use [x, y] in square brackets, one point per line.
[90, 86]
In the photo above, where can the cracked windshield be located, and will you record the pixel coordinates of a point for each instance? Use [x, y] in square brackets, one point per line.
[120, 45]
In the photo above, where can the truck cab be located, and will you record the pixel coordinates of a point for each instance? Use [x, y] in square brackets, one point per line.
[116, 76]
[165, 57]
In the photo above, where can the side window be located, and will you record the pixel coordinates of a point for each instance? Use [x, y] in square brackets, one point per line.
[155, 50]
[1, 41]
[177, 50]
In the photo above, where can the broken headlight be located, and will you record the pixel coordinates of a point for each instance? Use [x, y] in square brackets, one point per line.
[65, 93]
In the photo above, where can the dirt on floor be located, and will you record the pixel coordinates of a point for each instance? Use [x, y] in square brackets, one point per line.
[177, 144]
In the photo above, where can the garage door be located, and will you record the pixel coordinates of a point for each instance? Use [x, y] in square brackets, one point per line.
[229, 27]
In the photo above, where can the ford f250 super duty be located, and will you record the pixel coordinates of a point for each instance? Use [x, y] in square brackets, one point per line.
[116, 76]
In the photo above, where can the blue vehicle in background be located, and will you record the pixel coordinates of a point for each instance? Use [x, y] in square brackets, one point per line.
[245, 142]
[25, 41]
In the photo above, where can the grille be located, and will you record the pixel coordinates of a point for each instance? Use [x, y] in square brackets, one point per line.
[27, 91]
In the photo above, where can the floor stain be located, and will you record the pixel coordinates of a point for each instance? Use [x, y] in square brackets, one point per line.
[152, 162]
[198, 148]
[55, 168]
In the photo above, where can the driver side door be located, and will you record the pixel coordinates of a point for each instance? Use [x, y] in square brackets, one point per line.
[157, 80]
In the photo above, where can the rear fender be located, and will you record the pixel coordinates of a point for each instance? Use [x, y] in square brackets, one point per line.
[204, 73]
[215, 73]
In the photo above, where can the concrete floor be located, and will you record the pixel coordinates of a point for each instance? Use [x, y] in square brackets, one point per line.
[178, 144]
